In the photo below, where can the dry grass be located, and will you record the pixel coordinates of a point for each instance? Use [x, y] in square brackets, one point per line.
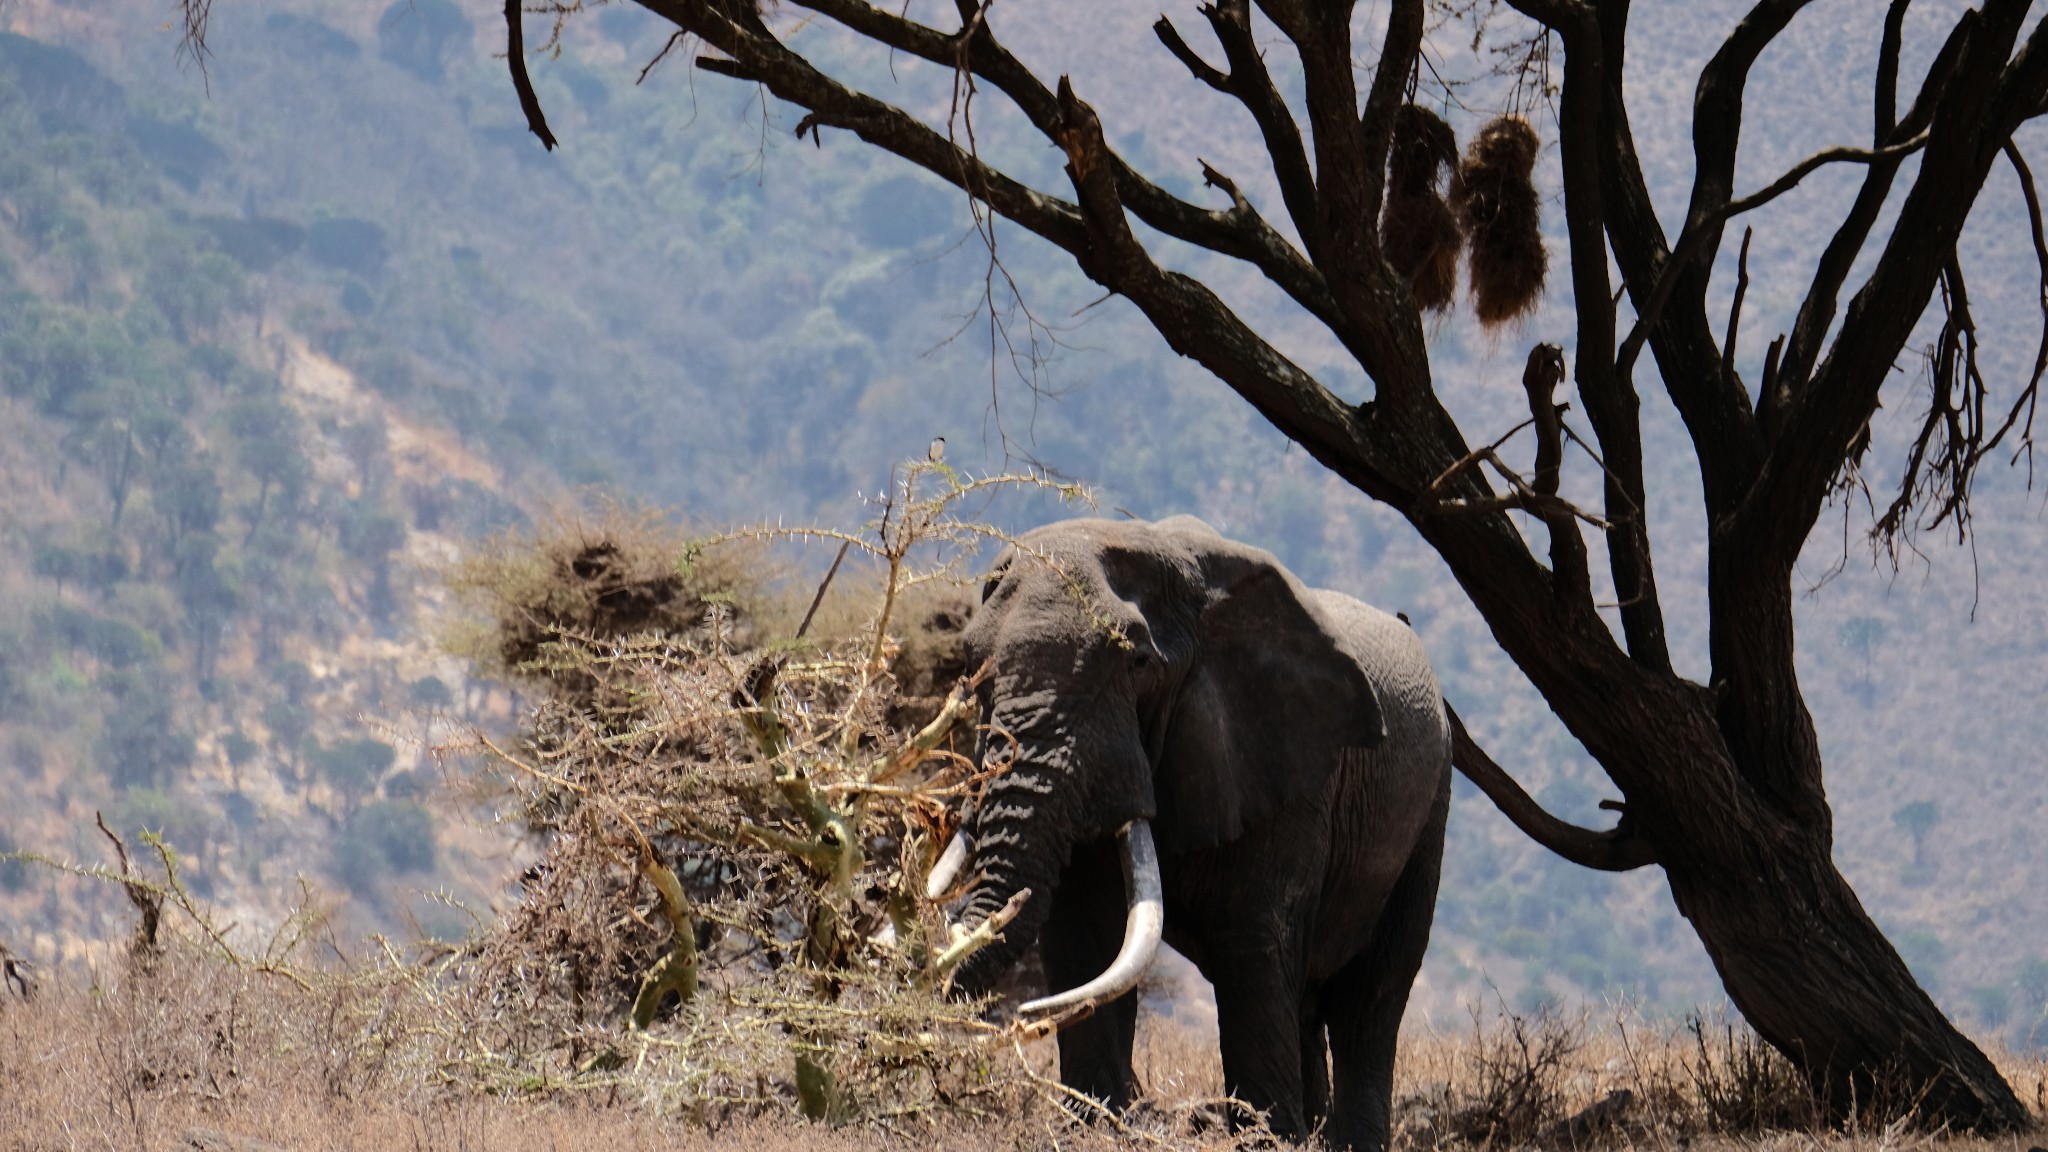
[163, 1053]
[164, 1056]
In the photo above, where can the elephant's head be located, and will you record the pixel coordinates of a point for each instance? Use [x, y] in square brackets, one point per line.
[1146, 672]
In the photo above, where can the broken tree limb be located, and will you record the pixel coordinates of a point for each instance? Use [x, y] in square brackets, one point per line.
[147, 898]
[1540, 378]
[676, 971]
[966, 942]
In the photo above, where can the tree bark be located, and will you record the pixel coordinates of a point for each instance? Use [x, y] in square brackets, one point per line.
[1731, 807]
[1812, 974]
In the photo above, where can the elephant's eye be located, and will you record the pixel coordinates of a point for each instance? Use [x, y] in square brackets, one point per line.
[995, 579]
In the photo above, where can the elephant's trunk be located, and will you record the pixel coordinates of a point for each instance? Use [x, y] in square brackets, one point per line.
[1022, 834]
[1143, 927]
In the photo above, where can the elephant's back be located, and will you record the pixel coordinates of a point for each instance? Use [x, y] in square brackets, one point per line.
[1393, 659]
[1384, 803]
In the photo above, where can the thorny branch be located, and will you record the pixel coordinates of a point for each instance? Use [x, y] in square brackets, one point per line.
[785, 822]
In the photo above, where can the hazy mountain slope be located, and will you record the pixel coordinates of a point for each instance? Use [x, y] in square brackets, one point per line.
[686, 304]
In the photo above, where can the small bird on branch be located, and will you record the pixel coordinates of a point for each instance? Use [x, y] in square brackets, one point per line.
[937, 452]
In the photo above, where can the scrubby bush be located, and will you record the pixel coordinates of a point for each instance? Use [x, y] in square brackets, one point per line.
[722, 798]
[580, 578]
[141, 742]
[383, 839]
[354, 767]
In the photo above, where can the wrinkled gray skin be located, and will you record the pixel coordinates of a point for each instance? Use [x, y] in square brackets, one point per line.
[1290, 748]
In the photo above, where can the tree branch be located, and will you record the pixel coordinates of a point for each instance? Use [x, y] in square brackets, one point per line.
[1611, 402]
[1253, 86]
[515, 59]
[1398, 53]
[1696, 239]
[1971, 122]
[765, 60]
[1201, 69]
[1817, 312]
[1885, 96]
[1716, 416]
[1194, 322]
[1619, 849]
[1239, 232]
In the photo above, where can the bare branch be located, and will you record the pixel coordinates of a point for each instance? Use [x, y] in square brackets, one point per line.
[515, 59]
[790, 77]
[1202, 70]
[1254, 88]
[1695, 239]
[1735, 309]
[1610, 401]
[1240, 233]
[1885, 99]
[1817, 312]
[1398, 53]
[1985, 98]
[1619, 849]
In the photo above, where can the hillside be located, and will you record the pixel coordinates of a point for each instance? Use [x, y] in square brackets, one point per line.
[343, 226]
[212, 591]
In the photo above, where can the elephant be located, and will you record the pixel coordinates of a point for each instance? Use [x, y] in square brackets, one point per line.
[1195, 734]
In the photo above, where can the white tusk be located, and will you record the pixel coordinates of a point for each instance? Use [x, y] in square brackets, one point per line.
[1142, 928]
[947, 870]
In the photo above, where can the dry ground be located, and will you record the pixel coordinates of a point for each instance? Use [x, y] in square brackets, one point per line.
[199, 1055]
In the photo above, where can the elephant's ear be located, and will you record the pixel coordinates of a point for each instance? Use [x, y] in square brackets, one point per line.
[1261, 717]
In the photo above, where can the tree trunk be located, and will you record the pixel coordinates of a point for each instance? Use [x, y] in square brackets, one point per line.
[1723, 789]
[1812, 974]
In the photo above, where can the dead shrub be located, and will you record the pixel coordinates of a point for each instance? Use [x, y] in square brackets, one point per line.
[1742, 1085]
[595, 575]
[1517, 1074]
[728, 914]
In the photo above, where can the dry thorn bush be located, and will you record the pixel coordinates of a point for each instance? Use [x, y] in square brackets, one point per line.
[729, 912]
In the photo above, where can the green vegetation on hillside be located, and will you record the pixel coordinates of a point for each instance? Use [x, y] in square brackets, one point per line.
[178, 528]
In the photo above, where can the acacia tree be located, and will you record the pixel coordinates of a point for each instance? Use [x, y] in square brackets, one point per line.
[1722, 782]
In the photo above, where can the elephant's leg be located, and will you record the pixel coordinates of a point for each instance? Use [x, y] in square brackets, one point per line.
[1261, 1034]
[1082, 933]
[1364, 1002]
